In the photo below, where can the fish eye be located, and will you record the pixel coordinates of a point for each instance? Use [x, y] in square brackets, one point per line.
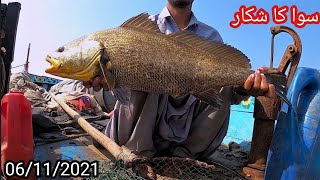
[61, 49]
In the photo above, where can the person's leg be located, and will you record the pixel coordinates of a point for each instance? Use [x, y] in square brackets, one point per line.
[207, 132]
[133, 125]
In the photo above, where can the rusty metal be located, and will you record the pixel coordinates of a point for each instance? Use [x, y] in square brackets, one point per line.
[266, 109]
[292, 54]
[253, 173]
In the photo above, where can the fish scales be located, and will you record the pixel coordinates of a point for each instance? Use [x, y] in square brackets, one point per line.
[165, 65]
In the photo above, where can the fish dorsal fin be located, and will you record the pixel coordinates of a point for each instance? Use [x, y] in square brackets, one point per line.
[223, 52]
[142, 22]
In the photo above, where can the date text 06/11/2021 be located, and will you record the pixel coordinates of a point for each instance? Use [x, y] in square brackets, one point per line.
[279, 15]
[52, 170]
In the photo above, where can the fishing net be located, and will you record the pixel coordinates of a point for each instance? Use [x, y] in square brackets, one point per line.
[170, 168]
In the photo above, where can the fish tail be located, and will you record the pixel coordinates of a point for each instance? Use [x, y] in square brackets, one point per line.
[123, 95]
[279, 82]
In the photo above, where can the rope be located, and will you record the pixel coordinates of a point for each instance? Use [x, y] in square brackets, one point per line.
[228, 169]
[18, 66]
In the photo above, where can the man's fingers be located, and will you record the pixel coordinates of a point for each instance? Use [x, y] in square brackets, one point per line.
[263, 69]
[87, 84]
[96, 83]
[249, 82]
[271, 92]
[264, 86]
[257, 83]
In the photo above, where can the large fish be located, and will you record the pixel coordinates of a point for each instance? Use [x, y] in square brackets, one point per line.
[138, 56]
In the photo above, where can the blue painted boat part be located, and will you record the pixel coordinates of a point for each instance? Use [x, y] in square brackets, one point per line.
[241, 123]
[295, 148]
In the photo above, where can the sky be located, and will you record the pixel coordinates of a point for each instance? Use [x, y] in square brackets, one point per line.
[49, 24]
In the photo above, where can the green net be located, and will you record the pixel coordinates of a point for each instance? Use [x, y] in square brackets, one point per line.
[164, 168]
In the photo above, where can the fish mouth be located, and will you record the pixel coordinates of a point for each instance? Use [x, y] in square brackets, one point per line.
[55, 64]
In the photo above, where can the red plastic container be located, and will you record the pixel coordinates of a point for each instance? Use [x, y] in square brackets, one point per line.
[16, 130]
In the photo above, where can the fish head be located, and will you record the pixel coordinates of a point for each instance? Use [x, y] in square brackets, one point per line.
[77, 60]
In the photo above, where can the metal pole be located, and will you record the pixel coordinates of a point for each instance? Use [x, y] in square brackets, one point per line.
[26, 67]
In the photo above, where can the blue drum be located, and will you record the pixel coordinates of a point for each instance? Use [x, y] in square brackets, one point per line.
[295, 148]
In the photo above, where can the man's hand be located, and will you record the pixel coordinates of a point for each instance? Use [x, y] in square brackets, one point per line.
[96, 83]
[257, 85]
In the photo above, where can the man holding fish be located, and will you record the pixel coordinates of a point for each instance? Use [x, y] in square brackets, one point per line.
[184, 126]
[162, 124]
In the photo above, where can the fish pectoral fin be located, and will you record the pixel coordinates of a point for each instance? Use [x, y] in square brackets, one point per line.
[123, 95]
[211, 97]
[106, 65]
